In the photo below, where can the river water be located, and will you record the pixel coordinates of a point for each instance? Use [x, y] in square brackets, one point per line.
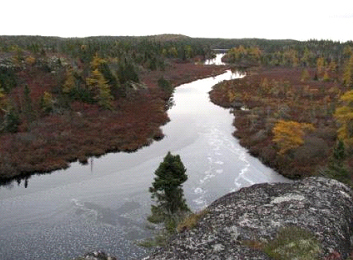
[104, 205]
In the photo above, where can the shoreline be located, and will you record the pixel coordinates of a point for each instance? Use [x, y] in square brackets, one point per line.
[87, 131]
[257, 108]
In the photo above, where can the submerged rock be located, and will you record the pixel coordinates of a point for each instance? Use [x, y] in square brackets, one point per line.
[245, 224]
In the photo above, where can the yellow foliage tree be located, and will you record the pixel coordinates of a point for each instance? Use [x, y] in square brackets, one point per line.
[265, 86]
[326, 77]
[97, 61]
[2, 93]
[69, 82]
[332, 66]
[2, 99]
[30, 60]
[348, 72]
[320, 63]
[97, 83]
[289, 135]
[344, 116]
[47, 102]
[305, 75]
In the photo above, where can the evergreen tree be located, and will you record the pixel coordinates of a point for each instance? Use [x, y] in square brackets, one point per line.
[165, 85]
[27, 106]
[11, 120]
[336, 168]
[167, 190]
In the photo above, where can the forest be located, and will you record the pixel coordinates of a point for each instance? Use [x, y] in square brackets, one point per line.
[66, 99]
[294, 108]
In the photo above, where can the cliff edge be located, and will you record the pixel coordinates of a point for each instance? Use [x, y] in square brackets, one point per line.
[306, 219]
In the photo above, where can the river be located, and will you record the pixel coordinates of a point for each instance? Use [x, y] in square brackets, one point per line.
[104, 205]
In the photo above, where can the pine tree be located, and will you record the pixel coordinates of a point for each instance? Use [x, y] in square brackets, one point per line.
[167, 190]
[165, 85]
[336, 168]
[27, 106]
[11, 120]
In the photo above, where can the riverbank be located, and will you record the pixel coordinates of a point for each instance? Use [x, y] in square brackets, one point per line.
[54, 141]
[267, 95]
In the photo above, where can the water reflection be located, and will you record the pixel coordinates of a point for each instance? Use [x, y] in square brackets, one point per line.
[25, 181]
[104, 205]
[216, 61]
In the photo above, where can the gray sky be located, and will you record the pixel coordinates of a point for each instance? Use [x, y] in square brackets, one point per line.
[270, 19]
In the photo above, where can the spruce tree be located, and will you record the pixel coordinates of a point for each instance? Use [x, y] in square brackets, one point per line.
[336, 168]
[167, 190]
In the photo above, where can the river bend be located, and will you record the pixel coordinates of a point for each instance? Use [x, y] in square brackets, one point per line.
[104, 205]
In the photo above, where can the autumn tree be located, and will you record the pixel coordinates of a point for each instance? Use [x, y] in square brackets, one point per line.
[167, 190]
[320, 65]
[47, 102]
[305, 75]
[344, 116]
[69, 83]
[2, 97]
[348, 72]
[98, 85]
[289, 135]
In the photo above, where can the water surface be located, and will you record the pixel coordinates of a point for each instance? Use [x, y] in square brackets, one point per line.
[104, 205]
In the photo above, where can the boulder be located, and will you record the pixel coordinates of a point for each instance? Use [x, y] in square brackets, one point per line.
[247, 224]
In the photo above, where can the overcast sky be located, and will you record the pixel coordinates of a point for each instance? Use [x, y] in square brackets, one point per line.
[271, 19]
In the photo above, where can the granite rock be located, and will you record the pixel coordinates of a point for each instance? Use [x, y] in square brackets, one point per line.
[323, 207]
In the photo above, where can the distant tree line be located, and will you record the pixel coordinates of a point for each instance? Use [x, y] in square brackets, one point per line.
[45, 75]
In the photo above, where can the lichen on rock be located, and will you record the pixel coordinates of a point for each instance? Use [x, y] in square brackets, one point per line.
[242, 224]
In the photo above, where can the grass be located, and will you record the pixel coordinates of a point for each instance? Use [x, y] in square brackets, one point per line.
[176, 224]
[293, 243]
[191, 221]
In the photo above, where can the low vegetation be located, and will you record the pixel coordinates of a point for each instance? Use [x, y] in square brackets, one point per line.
[293, 243]
[63, 100]
[293, 109]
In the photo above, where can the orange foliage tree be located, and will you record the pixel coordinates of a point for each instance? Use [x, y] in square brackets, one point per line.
[289, 135]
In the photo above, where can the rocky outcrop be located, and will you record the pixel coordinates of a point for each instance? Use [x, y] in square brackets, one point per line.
[242, 225]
